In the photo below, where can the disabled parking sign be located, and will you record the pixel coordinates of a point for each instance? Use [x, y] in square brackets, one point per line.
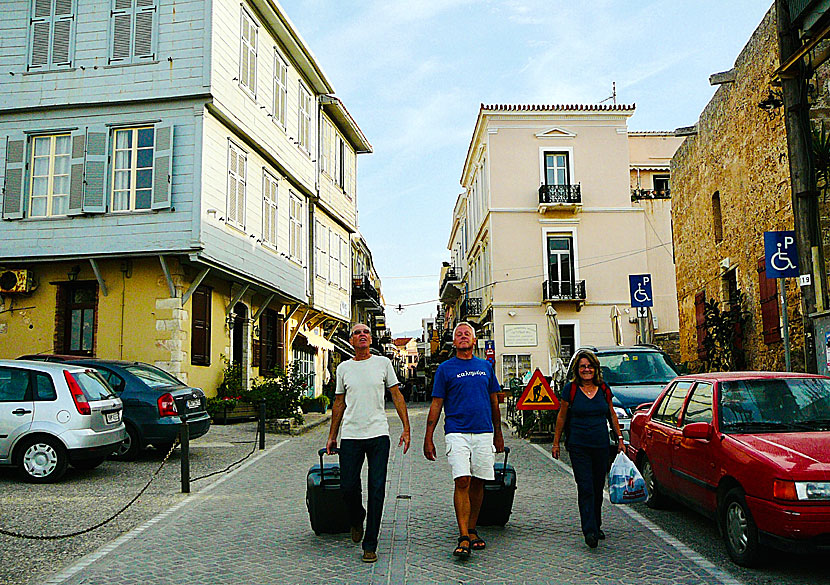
[640, 289]
[781, 254]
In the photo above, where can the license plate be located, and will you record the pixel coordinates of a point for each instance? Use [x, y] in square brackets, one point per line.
[113, 417]
[193, 404]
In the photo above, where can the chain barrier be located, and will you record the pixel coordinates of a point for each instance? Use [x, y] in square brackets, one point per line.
[14, 534]
[234, 464]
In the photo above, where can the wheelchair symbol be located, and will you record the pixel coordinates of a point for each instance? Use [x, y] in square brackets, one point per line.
[782, 258]
[640, 295]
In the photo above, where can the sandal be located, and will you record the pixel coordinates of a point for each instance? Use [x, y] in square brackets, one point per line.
[462, 551]
[476, 543]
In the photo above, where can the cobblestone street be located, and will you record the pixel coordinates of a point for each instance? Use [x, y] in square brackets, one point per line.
[252, 527]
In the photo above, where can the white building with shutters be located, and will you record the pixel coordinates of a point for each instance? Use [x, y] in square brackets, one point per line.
[179, 187]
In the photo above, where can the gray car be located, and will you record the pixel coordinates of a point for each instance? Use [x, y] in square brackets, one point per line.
[53, 415]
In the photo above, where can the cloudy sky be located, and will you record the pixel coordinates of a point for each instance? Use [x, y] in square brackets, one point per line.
[414, 73]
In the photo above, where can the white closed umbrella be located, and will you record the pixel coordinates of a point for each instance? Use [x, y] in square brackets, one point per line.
[555, 345]
[616, 325]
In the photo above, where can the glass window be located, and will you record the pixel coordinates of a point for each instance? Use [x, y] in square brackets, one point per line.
[560, 265]
[45, 389]
[556, 168]
[782, 401]
[636, 367]
[49, 188]
[79, 319]
[514, 367]
[14, 385]
[304, 368]
[93, 385]
[668, 412]
[152, 376]
[699, 407]
[132, 172]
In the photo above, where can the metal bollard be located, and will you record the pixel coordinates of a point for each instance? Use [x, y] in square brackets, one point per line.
[185, 441]
[262, 424]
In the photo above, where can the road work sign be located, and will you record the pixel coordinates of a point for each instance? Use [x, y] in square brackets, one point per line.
[640, 288]
[781, 254]
[537, 394]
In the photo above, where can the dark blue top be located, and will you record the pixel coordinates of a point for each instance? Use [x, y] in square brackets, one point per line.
[465, 386]
[588, 426]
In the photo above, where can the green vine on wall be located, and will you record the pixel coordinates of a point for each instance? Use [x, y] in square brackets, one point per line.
[724, 335]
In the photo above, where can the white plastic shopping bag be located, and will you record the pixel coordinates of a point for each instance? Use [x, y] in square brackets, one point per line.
[625, 484]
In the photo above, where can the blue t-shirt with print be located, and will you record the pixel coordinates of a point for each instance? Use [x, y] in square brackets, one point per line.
[465, 386]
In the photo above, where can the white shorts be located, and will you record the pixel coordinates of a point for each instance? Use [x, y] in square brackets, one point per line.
[471, 454]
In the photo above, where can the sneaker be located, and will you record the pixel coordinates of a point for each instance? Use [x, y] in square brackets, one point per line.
[357, 533]
[369, 556]
[591, 540]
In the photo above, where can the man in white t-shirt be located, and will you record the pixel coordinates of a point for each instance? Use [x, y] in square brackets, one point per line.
[359, 413]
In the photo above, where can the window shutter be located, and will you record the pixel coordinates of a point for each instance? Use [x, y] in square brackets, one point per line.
[95, 171]
[700, 322]
[76, 174]
[163, 167]
[200, 329]
[770, 313]
[344, 264]
[279, 341]
[145, 18]
[62, 33]
[41, 28]
[232, 162]
[334, 258]
[13, 186]
[322, 246]
[256, 346]
[121, 31]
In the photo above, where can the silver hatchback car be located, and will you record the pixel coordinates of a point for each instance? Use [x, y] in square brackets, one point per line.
[52, 415]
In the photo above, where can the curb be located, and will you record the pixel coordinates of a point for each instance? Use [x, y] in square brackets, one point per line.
[299, 430]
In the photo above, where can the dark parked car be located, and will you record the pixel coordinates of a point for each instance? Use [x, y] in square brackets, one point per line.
[154, 402]
[636, 374]
[750, 449]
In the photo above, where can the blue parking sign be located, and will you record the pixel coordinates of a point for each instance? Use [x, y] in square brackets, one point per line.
[640, 288]
[781, 254]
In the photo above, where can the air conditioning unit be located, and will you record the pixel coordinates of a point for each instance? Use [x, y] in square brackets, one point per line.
[16, 281]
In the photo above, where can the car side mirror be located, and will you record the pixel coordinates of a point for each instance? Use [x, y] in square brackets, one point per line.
[699, 430]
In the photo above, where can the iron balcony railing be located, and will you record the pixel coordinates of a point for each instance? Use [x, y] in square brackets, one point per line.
[363, 289]
[470, 307]
[638, 194]
[560, 194]
[563, 290]
[453, 275]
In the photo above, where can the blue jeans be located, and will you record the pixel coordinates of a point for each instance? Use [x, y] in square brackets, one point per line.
[352, 454]
[589, 466]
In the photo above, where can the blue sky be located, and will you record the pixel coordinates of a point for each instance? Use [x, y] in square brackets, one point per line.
[413, 74]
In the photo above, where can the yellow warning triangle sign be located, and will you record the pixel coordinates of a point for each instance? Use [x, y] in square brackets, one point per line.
[537, 395]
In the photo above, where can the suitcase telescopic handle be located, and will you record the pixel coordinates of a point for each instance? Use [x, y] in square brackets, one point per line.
[504, 469]
[322, 452]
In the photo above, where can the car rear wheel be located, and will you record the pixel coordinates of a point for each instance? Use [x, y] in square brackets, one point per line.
[739, 531]
[129, 449]
[88, 463]
[42, 460]
[656, 499]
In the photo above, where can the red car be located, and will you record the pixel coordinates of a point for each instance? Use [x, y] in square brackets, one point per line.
[750, 449]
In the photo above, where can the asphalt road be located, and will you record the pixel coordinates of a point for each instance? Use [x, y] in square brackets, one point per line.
[701, 535]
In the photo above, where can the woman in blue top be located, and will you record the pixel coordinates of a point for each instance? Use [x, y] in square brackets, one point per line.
[587, 399]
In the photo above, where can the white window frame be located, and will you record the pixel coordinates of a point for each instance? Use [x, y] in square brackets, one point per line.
[304, 127]
[270, 209]
[50, 174]
[295, 232]
[516, 356]
[280, 89]
[321, 242]
[577, 342]
[568, 150]
[564, 233]
[236, 179]
[248, 85]
[133, 168]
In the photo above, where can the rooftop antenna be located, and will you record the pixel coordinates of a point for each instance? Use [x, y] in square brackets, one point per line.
[613, 95]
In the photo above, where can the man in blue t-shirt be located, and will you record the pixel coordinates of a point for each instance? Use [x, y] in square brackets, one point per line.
[465, 388]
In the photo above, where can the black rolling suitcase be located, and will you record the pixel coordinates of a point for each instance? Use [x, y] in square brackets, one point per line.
[323, 499]
[498, 495]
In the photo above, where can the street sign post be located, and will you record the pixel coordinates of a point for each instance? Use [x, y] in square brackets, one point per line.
[490, 351]
[642, 299]
[781, 256]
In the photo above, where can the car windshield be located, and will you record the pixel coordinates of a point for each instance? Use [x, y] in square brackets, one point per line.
[93, 385]
[152, 376]
[775, 404]
[636, 367]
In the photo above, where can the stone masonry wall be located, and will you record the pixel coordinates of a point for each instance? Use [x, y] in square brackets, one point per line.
[740, 151]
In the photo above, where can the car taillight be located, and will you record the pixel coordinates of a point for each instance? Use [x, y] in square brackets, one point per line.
[784, 490]
[78, 396]
[167, 406]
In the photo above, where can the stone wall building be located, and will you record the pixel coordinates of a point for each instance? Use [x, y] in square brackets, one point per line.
[730, 184]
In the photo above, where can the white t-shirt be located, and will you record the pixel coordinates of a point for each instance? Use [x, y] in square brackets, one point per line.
[364, 383]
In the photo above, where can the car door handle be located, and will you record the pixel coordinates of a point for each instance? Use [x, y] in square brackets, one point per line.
[21, 411]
